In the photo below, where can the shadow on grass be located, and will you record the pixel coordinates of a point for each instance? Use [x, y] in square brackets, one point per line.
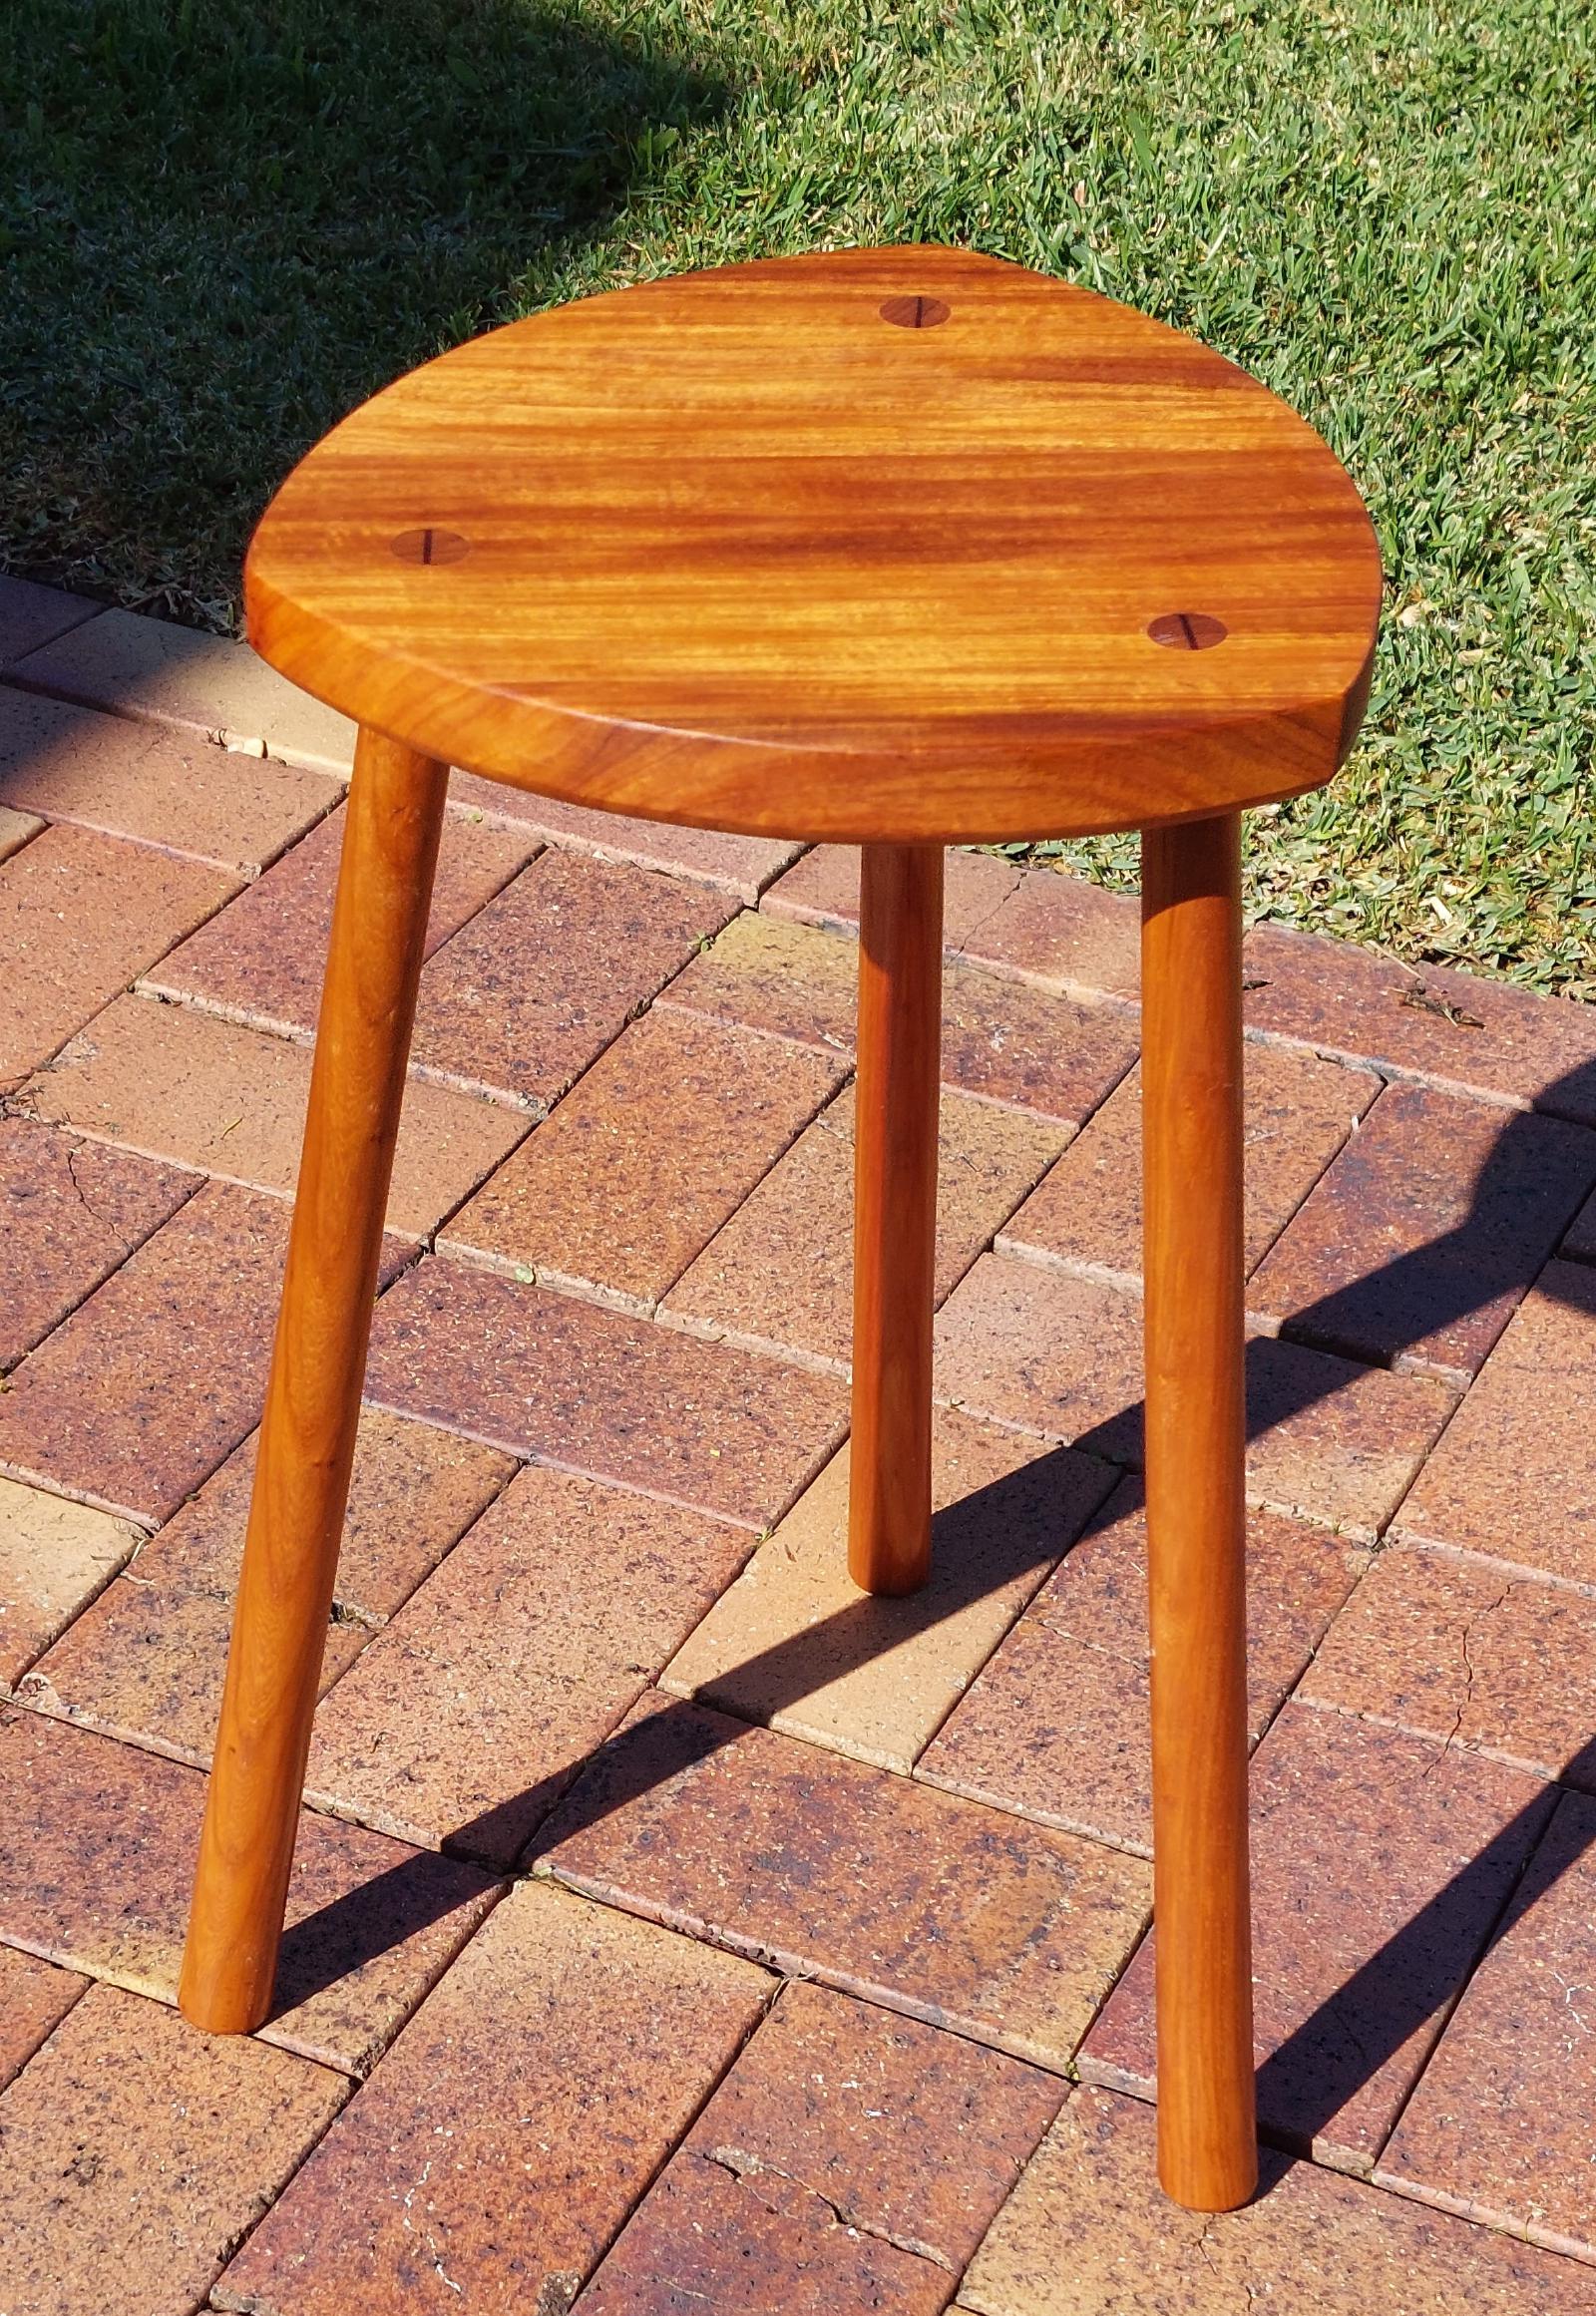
[222, 226]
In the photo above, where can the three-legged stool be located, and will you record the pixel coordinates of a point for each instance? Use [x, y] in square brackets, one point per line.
[901, 549]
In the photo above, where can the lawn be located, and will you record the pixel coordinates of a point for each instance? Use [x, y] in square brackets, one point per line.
[224, 224]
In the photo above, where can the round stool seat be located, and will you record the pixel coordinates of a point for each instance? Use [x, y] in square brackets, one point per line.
[882, 546]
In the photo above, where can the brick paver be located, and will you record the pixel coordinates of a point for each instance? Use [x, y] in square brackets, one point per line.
[96, 1850]
[1515, 1475]
[781, 1271]
[262, 959]
[501, 2146]
[32, 615]
[34, 1999]
[1001, 1039]
[1427, 1231]
[1580, 1243]
[525, 995]
[550, 1376]
[146, 1661]
[73, 1211]
[850, 2159]
[1090, 2234]
[173, 791]
[80, 916]
[648, 1156]
[740, 865]
[1062, 1355]
[16, 828]
[795, 1644]
[822, 889]
[1065, 935]
[1086, 1213]
[940, 1842]
[1007, 1932]
[138, 1396]
[1055, 1725]
[465, 1720]
[139, 2151]
[55, 1556]
[1446, 1028]
[1380, 1864]
[1465, 1651]
[712, 2236]
[173, 1082]
[202, 684]
[1500, 2128]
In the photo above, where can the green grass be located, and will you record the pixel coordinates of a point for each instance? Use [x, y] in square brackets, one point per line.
[225, 223]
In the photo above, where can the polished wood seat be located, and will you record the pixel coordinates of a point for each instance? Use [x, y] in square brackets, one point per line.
[899, 547]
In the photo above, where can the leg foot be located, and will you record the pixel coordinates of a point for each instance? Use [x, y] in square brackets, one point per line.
[895, 1213]
[308, 1436]
[1196, 1444]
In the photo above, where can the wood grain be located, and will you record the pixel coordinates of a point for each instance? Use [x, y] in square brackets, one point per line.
[745, 551]
[308, 1436]
[895, 1213]
[1196, 1512]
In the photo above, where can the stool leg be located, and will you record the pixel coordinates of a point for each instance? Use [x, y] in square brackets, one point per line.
[895, 1213]
[308, 1434]
[1196, 1444]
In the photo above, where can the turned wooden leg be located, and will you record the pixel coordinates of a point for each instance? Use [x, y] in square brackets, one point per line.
[308, 1434]
[1196, 1442]
[895, 1213]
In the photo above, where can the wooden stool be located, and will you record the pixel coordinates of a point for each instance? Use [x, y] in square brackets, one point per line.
[902, 549]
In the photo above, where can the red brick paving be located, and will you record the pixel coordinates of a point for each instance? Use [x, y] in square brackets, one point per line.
[850, 2159]
[32, 617]
[175, 793]
[34, 1999]
[1031, 924]
[780, 1273]
[1514, 1477]
[1058, 1355]
[79, 914]
[501, 2145]
[260, 960]
[1007, 1932]
[1086, 1213]
[173, 1082]
[73, 1211]
[1446, 1028]
[466, 1718]
[539, 2130]
[1001, 1039]
[1501, 2127]
[147, 1660]
[1471, 1652]
[548, 1376]
[1421, 1239]
[140, 1394]
[1380, 1862]
[1090, 2234]
[525, 995]
[139, 2151]
[1580, 1243]
[96, 1850]
[743, 866]
[1055, 1724]
[648, 1156]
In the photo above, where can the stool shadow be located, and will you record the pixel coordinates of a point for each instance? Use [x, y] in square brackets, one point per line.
[1406, 1987]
